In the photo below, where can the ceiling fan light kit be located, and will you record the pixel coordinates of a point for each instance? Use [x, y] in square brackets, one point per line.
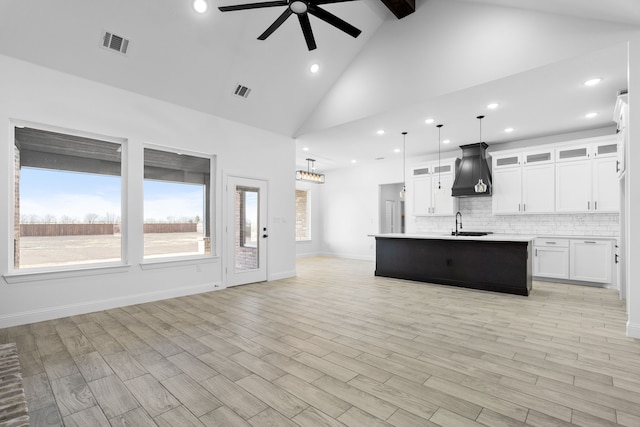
[302, 9]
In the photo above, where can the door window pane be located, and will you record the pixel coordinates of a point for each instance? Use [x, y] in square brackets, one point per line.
[176, 204]
[247, 228]
[67, 200]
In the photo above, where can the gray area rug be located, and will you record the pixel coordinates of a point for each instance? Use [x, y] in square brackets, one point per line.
[13, 403]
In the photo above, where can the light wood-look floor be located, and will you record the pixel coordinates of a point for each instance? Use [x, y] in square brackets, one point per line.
[337, 346]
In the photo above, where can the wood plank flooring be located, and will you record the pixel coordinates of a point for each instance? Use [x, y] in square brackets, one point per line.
[338, 346]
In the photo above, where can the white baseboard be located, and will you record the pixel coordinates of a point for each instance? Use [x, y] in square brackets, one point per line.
[282, 275]
[358, 257]
[633, 330]
[49, 313]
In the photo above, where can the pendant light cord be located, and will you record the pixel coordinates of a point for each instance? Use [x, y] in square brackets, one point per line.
[404, 160]
[439, 168]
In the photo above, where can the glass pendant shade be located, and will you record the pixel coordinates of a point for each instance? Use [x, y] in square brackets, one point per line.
[480, 187]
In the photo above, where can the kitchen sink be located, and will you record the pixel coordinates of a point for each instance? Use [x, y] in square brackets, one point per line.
[471, 233]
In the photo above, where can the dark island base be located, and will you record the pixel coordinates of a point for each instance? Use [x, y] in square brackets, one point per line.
[500, 266]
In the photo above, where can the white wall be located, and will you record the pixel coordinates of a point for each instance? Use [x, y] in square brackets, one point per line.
[41, 95]
[350, 207]
[633, 192]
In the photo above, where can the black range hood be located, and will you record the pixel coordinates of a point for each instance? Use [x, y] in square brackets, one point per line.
[470, 170]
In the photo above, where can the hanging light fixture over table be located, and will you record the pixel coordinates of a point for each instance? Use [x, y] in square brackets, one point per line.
[439, 168]
[309, 175]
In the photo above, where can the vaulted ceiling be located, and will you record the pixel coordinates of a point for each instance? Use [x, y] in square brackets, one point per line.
[445, 60]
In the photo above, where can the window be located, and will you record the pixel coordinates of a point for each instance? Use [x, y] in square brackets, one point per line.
[303, 231]
[67, 199]
[177, 190]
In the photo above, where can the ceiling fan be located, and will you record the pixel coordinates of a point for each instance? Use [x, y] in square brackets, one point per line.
[301, 8]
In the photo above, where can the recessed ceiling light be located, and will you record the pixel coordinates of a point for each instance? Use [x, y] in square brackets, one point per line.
[509, 130]
[353, 161]
[314, 68]
[396, 150]
[493, 106]
[200, 6]
[446, 141]
[593, 82]
[429, 121]
[590, 115]
[305, 149]
[380, 132]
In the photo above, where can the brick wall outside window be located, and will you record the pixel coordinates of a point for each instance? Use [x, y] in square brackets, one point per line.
[302, 215]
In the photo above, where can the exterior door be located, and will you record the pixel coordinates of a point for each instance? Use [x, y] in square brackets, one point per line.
[246, 229]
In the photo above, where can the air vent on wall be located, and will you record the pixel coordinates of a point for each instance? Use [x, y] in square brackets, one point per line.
[242, 91]
[114, 42]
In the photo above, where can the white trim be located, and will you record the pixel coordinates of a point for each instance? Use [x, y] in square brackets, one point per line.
[153, 263]
[282, 275]
[633, 330]
[98, 305]
[48, 274]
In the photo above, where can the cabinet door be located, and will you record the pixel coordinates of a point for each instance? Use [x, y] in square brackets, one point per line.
[573, 186]
[606, 189]
[443, 202]
[507, 190]
[421, 196]
[590, 260]
[538, 189]
[551, 262]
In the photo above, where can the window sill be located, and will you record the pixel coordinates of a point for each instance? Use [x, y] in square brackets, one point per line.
[40, 274]
[156, 263]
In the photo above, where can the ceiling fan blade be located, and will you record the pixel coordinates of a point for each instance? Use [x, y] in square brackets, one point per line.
[287, 13]
[254, 5]
[330, 1]
[306, 30]
[332, 19]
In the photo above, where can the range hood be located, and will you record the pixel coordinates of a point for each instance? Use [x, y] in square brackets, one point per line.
[472, 168]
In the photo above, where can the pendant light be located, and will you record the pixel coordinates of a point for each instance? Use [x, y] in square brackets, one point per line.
[404, 161]
[310, 175]
[480, 187]
[439, 168]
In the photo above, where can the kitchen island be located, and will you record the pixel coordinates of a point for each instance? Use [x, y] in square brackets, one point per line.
[494, 262]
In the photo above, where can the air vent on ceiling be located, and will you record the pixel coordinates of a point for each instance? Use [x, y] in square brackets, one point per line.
[242, 91]
[114, 42]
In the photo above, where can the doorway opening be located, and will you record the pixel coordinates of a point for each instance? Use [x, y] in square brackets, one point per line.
[391, 209]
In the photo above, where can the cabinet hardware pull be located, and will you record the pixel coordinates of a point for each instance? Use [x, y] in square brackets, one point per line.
[524, 207]
[595, 204]
[550, 243]
[617, 165]
[588, 205]
[617, 258]
[536, 252]
[518, 207]
[587, 241]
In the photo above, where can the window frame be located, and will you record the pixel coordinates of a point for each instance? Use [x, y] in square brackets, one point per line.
[149, 262]
[308, 216]
[67, 270]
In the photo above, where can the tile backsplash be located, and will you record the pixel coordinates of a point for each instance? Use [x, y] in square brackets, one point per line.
[477, 216]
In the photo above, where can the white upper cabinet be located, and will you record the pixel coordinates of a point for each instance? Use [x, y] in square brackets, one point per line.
[568, 178]
[586, 178]
[523, 182]
[431, 189]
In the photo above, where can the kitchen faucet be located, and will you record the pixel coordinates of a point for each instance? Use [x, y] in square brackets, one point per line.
[458, 214]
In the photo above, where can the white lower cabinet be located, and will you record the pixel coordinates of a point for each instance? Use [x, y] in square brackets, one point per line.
[551, 258]
[582, 260]
[591, 260]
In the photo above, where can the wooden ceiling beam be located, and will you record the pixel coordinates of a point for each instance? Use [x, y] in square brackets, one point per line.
[401, 8]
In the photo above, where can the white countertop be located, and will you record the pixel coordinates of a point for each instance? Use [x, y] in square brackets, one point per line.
[448, 236]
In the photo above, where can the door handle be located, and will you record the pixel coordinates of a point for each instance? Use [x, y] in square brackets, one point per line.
[265, 235]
